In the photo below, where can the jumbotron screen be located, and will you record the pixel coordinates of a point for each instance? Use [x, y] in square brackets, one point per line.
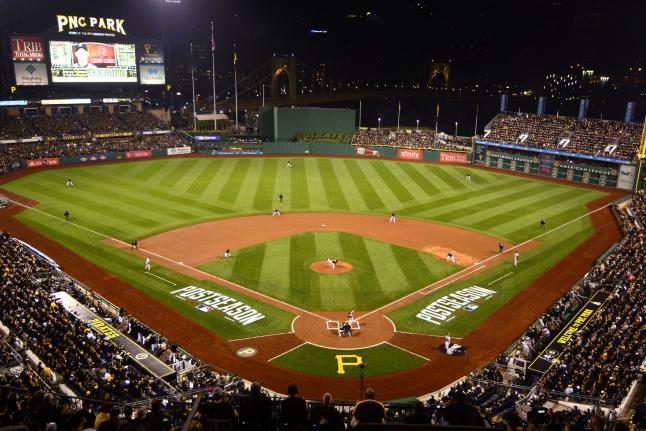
[92, 62]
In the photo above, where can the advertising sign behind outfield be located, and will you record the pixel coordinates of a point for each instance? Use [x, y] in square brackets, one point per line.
[178, 150]
[557, 346]
[453, 157]
[209, 300]
[361, 151]
[138, 154]
[51, 161]
[29, 73]
[27, 48]
[410, 154]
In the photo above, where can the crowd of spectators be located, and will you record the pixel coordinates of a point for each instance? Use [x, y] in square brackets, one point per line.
[605, 138]
[90, 123]
[10, 153]
[416, 139]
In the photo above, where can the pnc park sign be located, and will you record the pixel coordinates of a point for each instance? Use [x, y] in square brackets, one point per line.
[73, 22]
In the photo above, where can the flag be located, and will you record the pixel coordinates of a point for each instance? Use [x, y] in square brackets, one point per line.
[212, 39]
[437, 109]
[643, 143]
[235, 55]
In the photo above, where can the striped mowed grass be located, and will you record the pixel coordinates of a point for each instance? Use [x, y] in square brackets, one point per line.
[139, 199]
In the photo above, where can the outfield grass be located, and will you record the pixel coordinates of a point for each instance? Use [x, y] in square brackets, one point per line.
[381, 360]
[139, 199]
[381, 272]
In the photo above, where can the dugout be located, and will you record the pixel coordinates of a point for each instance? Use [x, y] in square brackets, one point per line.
[284, 124]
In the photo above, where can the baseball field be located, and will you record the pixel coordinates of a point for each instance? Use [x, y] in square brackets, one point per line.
[271, 310]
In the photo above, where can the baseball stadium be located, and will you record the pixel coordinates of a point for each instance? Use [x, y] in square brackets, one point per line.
[186, 269]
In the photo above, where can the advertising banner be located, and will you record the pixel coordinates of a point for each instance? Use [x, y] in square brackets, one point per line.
[81, 62]
[453, 157]
[207, 137]
[626, 177]
[152, 52]
[557, 346]
[410, 154]
[361, 151]
[138, 154]
[178, 150]
[152, 74]
[229, 153]
[27, 48]
[28, 73]
[51, 161]
[113, 135]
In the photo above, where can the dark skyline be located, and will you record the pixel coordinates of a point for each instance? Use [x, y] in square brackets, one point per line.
[502, 42]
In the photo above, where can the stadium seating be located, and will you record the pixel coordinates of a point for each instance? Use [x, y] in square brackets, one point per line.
[417, 139]
[568, 134]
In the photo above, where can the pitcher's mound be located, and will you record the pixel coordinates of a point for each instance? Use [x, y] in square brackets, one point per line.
[323, 267]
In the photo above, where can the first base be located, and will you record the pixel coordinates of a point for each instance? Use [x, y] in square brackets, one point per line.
[322, 225]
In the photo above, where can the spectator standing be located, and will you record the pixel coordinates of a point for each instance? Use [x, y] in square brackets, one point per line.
[255, 410]
[325, 417]
[293, 410]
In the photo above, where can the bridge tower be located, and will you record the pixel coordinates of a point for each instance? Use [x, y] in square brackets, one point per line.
[439, 73]
[280, 66]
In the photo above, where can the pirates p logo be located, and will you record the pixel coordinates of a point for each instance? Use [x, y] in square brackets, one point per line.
[343, 361]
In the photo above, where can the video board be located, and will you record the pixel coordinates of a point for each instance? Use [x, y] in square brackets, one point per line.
[92, 62]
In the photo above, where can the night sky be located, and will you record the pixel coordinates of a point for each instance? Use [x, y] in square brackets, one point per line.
[489, 41]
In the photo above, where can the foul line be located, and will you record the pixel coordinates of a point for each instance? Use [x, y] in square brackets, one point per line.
[260, 336]
[450, 278]
[426, 335]
[407, 351]
[161, 278]
[286, 352]
[222, 282]
[498, 279]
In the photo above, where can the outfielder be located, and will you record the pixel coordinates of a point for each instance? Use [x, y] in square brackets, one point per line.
[69, 183]
[67, 216]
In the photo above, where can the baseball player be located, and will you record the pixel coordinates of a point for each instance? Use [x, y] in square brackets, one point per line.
[289, 163]
[542, 224]
[227, 253]
[147, 264]
[280, 197]
[450, 258]
[134, 245]
[516, 256]
[468, 178]
[69, 183]
[275, 213]
[331, 263]
[501, 247]
[392, 219]
[67, 216]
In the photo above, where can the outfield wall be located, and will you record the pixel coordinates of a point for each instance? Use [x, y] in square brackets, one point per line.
[283, 124]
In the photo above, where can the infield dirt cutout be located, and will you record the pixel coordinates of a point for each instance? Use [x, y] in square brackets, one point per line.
[184, 249]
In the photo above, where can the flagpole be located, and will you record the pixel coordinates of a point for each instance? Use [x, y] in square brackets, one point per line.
[193, 87]
[642, 152]
[215, 111]
[359, 113]
[235, 81]
[475, 130]
[437, 115]
[263, 95]
[399, 111]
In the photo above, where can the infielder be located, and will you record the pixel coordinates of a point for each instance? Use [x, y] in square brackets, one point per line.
[275, 213]
[516, 256]
[392, 219]
[147, 264]
[501, 247]
[227, 253]
[450, 258]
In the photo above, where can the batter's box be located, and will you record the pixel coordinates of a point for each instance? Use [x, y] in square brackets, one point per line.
[334, 325]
